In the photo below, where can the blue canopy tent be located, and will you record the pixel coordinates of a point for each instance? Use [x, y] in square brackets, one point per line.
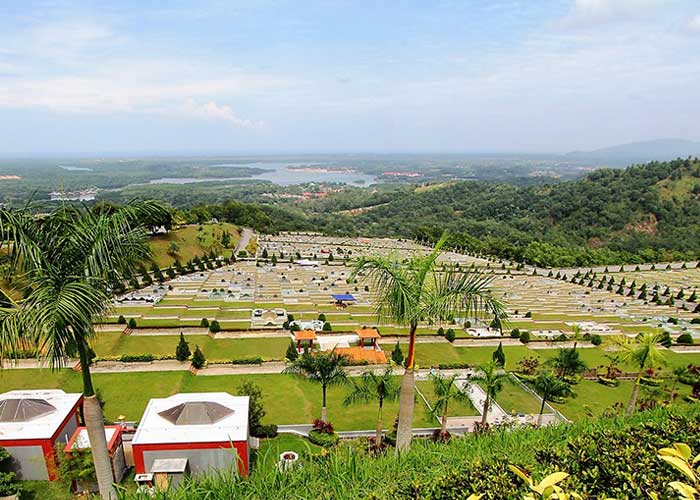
[342, 298]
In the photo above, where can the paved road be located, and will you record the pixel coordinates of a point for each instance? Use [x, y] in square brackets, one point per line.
[245, 238]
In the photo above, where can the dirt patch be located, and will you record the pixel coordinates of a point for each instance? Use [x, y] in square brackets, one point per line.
[647, 225]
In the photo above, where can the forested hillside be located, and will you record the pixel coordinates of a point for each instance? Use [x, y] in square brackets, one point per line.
[643, 213]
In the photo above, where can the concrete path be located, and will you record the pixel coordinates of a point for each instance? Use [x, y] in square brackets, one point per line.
[245, 238]
[477, 396]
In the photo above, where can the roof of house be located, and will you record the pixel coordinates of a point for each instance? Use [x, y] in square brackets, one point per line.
[81, 441]
[34, 414]
[368, 333]
[160, 425]
[372, 356]
[305, 335]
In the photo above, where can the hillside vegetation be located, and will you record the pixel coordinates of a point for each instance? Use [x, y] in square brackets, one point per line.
[643, 213]
[608, 458]
[193, 241]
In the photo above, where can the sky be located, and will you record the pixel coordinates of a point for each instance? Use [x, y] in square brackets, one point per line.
[312, 76]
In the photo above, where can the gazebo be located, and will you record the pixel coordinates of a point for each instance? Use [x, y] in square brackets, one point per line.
[368, 337]
[304, 339]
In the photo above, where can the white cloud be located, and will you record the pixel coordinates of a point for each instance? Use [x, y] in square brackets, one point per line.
[213, 111]
[694, 24]
[593, 12]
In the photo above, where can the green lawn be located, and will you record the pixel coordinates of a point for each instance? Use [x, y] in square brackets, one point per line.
[288, 399]
[428, 355]
[513, 399]
[115, 344]
[593, 398]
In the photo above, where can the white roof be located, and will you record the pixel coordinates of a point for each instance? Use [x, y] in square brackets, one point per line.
[155, 429]
[82, 440]
[45, 426]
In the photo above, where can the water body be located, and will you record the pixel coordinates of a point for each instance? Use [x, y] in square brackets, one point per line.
[189, 180]
[279, 173]
[72, 168]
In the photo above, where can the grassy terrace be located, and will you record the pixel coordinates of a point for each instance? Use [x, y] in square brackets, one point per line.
[115, 344]
[288, 399]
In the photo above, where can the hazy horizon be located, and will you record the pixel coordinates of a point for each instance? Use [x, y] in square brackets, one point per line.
[275, 77]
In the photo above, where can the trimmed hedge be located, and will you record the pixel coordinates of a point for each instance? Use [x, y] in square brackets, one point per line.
[323, 439]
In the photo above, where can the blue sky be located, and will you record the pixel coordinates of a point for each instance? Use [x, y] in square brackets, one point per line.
[271, 76]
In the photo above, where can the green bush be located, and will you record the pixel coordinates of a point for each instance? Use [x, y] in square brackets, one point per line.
[132, 323]
[247, 361]
[323, 439]
[685, 338]
[450, 335]
[8, 481]
[198, 359]
[204, 323]
[121, 320]
[182, 351]
[515, 333]
[596, 339]
[135, 358]
[525, 337]
[214, 327]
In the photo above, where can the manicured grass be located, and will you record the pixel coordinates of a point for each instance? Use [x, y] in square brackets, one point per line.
[292, 400]
[288, 399]
[593, 398]
[110, 344]
[455, 408]
[433, 354]
[513, 399]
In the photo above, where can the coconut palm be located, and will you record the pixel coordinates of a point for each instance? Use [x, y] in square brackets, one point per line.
[491, 379]
[66, 263]
[567, 363]
[417, 289]
[645, 351]
[446, 391]
[374, 386]
[325, 368]
[550, 387]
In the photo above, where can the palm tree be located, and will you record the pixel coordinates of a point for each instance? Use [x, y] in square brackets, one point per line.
[491, 378]
[326, 368]
[645, 351]
[66, 263]
[446, 391]
[415, 289]
[550, 387]
[567, 363]
[375, 386]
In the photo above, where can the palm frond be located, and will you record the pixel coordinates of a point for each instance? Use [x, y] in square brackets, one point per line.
[396, 299]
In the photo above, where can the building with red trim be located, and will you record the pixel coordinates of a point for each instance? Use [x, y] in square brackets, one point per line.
[115, 448]
[209, 429]
[32, 423]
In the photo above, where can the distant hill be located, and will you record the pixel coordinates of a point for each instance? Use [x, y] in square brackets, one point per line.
[644, 151]
[643, 213]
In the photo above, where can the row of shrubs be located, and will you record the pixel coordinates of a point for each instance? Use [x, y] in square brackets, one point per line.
[214, 326]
